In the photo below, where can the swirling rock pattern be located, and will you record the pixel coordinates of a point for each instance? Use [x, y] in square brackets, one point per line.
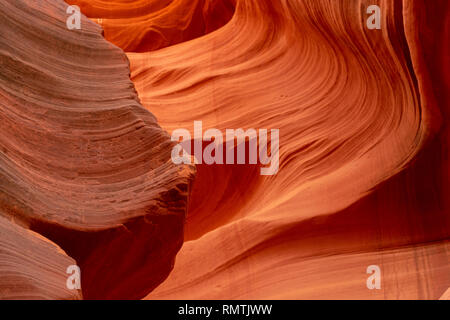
[334, 88]
[363, 176]
[82, 162]
[362, 86]
[154, 24]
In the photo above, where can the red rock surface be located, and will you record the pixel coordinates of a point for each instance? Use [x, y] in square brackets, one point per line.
[354, 107]
[364, 172]
[82, 162]
[32, 267]
[143, 25]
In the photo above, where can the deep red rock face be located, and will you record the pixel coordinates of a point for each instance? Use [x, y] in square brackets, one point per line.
[364, 148]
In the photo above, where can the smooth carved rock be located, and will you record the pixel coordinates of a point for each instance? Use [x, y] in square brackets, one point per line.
[364, 147]
[81, 161]
[363, 177]
[364, 163]
[155, 24]
[355, 107]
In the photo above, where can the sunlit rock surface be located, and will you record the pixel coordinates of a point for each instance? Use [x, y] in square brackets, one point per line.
[363, 176]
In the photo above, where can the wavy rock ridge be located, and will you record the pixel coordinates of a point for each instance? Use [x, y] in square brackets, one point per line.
[82, 162]
[363, 173]
[351, 114]
[354, 107]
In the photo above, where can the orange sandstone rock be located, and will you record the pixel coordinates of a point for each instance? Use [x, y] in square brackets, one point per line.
[81, 161]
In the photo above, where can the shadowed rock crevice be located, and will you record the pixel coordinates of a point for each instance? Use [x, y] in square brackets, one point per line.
[155, 24]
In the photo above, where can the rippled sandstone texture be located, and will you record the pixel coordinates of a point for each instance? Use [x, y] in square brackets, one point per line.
[32, 267]
[354, 106]
[362, 114]
[81, 162]
[357, 109]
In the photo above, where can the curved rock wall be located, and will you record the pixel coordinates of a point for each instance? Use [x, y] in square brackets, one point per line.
[362, 114]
